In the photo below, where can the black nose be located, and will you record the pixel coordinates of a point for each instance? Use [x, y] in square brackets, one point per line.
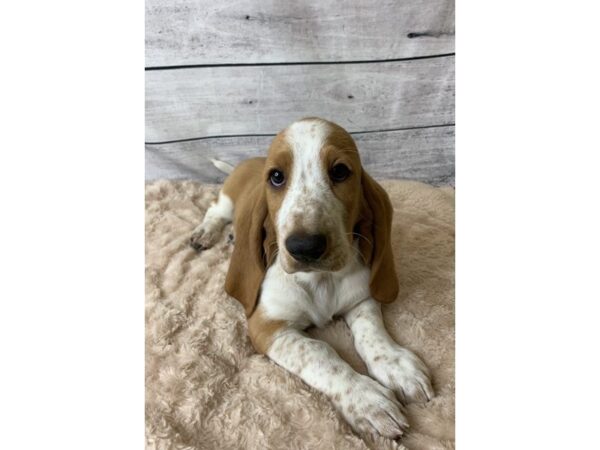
[306, 248]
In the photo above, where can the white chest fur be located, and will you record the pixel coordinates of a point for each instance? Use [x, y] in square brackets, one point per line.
[313, 298]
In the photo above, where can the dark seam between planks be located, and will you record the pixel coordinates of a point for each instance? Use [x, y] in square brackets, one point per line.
[297, 63]
[225, 136]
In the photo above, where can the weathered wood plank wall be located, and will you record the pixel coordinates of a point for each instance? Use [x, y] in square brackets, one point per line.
[221, 73]
[183, 104]
[184, 32]
[424, 154]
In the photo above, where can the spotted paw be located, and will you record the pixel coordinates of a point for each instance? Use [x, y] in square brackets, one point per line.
[370, 408]
[403, 372]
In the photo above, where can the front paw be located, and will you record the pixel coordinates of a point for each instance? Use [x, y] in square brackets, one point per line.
[403, 372]
[371, 408]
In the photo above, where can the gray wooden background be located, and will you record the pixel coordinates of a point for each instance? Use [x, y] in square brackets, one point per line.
[223, 77]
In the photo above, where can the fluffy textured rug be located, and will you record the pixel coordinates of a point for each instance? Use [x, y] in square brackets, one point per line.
[206, 388]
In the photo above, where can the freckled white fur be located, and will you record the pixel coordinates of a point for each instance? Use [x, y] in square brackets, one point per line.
[393, 366]
[314, 298]
[307, 184]
[309, 204]
[367, 405]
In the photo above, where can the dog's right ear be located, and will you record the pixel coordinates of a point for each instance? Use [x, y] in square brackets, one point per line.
[254, 248]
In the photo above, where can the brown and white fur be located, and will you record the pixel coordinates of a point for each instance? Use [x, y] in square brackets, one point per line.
[348, 276]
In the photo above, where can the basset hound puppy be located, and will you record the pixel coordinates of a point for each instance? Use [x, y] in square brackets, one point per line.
[312, 242]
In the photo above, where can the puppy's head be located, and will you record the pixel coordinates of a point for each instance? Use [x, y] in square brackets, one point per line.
[317, 201]
[313, 192]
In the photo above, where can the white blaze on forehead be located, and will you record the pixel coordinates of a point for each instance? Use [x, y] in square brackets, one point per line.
[308, 189]
[306, 137]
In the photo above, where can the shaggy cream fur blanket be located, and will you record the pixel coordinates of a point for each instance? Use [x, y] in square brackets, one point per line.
[206, 388]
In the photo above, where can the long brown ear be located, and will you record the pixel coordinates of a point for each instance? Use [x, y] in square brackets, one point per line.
[254, 247]
[375, 226]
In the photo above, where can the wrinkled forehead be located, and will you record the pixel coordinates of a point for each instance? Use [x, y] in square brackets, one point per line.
[311, 140]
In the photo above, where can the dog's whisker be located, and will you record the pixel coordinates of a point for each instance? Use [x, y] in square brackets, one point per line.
[358, 252]
[273, 256]
[361, 236]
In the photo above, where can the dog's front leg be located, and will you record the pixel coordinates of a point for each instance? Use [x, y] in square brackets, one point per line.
[392, 365]
[368, 406]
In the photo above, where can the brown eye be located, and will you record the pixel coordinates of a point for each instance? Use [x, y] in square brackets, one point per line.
[339, 173]
[276, 178]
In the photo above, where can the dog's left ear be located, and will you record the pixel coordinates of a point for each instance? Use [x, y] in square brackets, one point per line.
[375, 224]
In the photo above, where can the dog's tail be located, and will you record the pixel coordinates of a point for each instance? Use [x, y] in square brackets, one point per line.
[222, 166]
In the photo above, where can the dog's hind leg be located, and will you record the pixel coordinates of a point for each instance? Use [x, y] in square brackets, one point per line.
[217, 216]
